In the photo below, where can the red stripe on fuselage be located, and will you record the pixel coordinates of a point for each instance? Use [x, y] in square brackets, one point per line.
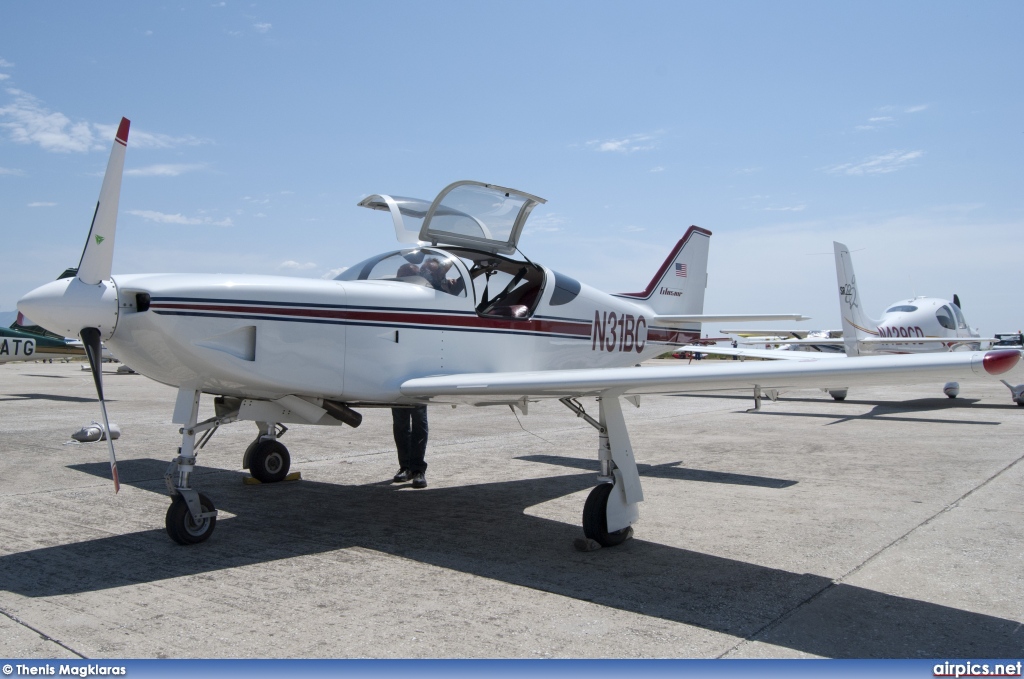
[579, 329]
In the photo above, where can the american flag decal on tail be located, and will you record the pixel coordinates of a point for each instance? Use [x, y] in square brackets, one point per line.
[680, 270]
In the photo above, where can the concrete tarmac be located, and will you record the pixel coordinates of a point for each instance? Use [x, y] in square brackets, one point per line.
[890, 525]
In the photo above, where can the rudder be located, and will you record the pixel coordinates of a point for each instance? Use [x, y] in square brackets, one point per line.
[856, 324]
[678, 286]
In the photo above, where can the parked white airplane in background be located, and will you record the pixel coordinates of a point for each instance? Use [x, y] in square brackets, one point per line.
[466, 323]
[918, 325]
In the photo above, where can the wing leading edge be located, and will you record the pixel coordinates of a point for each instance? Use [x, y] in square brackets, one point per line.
[483, 388]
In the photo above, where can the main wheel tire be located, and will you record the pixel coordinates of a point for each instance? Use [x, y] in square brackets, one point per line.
[269, 462]
[595, 518]
[838, 394]
[185, 530]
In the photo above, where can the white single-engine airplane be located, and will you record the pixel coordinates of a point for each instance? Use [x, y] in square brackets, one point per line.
[466, 323]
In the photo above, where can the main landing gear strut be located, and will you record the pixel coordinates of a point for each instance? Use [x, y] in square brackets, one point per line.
[613, 506]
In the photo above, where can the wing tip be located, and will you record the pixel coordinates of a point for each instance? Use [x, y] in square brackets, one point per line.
[1000, 361]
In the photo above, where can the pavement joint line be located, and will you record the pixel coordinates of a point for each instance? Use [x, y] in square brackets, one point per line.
[45, 637]
[786, 615]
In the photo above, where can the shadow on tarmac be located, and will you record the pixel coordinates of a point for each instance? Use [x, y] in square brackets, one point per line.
[483, 530]
[912, 405]
[667, 471]
[51, 397]
[881, 411]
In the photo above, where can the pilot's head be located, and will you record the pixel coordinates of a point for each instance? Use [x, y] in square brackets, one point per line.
[407, 269]
[434, 268]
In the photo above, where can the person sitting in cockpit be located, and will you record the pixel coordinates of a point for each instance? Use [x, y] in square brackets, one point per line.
[407, 269]
[436, 272]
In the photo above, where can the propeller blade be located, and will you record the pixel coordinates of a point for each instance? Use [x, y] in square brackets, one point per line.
[99, 247]
[93, 349]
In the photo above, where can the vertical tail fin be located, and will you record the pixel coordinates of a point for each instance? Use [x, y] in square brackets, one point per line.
[678, 286]
[856, 324]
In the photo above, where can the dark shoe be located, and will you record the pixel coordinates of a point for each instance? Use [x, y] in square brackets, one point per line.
[419, 480]
[402, 476]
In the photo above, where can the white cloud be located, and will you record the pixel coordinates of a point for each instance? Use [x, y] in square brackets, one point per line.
[545, 223]
[880, 164]
[6, 64]
[916, 109]
[12, 172]
[333, 273]
[292, 265]
[4, 76]
[881, 119]
[658, 169]
[794, 208]
[41, 204]
[27, 121]
[165, 170]
[139, 139]
[178, 218]
[262, 27]
[634, 229]
[634, 142]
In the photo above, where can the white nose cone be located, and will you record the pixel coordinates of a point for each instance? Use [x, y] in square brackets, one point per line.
[68, 305]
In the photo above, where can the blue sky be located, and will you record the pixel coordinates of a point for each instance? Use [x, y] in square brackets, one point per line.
[896, 128]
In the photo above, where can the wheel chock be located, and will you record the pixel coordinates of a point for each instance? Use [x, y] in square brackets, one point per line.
[250, 481]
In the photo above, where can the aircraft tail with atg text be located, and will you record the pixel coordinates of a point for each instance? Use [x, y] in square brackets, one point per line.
[678, 286]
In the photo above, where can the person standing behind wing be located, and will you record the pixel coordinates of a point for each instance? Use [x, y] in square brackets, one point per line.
[410, 429]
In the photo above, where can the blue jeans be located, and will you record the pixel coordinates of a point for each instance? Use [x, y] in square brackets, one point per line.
[410, 427]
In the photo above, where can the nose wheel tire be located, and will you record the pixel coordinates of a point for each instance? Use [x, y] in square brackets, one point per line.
[185, 530]
[269, 462]
[595, 518]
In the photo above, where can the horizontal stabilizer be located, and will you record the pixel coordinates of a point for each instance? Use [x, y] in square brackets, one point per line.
[728, 318]
[773, 354]
[925, 340]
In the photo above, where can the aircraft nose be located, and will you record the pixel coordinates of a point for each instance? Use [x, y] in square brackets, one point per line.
[66, 306]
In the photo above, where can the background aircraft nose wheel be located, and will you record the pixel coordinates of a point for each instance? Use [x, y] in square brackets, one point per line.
[595, 518]
[269, 461]
[185, 530]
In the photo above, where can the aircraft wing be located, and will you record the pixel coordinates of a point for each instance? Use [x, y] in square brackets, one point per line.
[811, 372]
[774, 354]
